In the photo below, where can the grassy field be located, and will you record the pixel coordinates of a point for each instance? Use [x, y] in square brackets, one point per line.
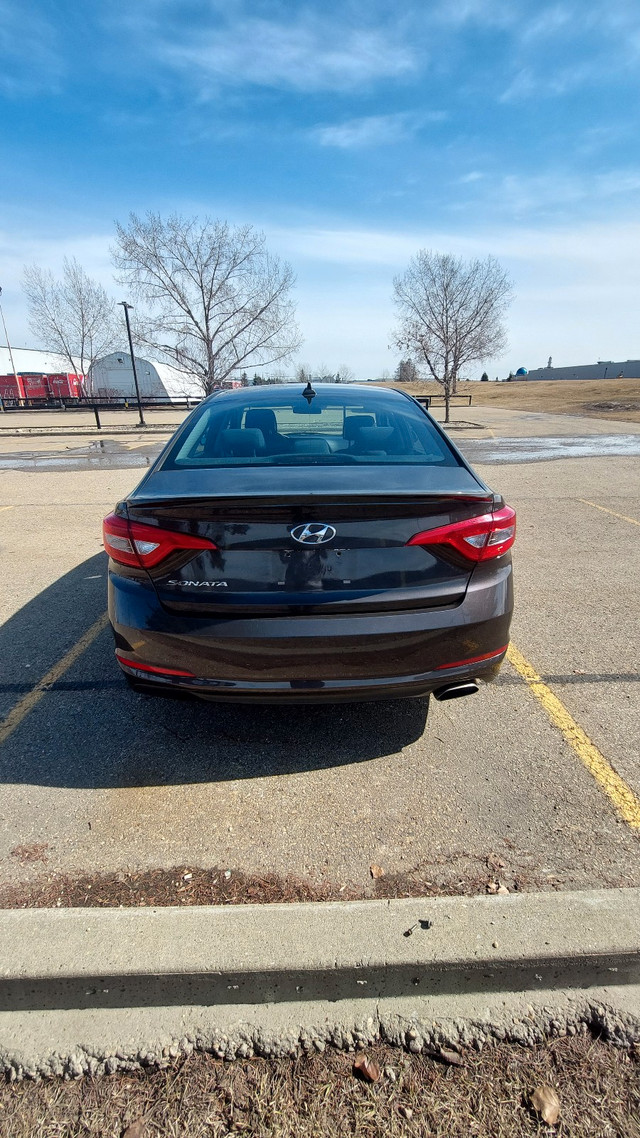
[601, 398]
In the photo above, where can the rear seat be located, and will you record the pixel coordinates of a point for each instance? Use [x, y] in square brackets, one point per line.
[260, 437]
[264, 419]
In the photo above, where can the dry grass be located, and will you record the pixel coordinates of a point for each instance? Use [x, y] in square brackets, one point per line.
[182, 885]
[614, 398]
[320, 1097]
[192, 885]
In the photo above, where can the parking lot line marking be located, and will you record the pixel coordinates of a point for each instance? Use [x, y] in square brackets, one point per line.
[622, 797]
[624, 518]
[5, 508]
[29, 701]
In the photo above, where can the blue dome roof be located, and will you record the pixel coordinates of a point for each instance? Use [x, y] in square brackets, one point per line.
[522, 371]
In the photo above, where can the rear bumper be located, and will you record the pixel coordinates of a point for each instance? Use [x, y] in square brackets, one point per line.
[315, 659]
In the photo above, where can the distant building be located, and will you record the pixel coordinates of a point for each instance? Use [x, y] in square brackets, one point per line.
[112, 377]
[603, 369]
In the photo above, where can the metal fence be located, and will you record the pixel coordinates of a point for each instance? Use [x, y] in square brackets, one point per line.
[95, 407]
[428, 399]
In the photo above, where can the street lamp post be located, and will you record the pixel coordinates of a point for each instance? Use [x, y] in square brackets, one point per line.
[133, 359]
[13, 366]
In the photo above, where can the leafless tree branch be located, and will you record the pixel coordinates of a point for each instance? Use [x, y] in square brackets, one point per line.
[72, 316]
[451, 312]
[212, 300]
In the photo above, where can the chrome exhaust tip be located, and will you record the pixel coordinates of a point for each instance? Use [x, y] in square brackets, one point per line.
[456, 691]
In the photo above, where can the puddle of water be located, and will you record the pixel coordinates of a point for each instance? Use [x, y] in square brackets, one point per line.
[62, 462]
[494, 451]
[102, 454]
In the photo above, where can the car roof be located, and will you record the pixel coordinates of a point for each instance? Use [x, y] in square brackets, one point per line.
[266, 391]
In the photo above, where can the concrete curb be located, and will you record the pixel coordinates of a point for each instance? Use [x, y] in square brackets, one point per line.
[94, 989]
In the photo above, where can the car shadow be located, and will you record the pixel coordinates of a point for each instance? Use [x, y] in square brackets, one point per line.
[89, 730]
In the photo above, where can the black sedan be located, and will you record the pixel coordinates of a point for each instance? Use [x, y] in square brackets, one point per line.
[299, 545]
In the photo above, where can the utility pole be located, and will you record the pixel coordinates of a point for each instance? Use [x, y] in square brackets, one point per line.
[133, 358]
[13, 366]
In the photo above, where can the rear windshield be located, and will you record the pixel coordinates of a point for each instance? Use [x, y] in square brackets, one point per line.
[281, 428]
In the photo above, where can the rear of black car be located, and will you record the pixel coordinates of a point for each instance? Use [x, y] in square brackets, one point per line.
[328, 546]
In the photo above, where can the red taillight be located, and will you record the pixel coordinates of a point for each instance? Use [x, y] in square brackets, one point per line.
[151, 667]
[478, 539]
[132, 543]
[473, 659]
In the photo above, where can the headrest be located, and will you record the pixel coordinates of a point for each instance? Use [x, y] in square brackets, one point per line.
[373, 438]
[240, 443]
[354, 423]
[263, 418]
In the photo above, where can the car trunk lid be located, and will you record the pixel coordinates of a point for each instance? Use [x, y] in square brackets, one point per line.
[273, 556]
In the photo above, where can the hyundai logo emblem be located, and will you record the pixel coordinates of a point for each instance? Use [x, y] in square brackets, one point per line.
[313, 533]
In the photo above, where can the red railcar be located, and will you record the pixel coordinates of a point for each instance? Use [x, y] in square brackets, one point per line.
[39, 385]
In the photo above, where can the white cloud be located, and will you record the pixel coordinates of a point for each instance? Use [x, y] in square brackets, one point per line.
[374, 130]
[552, 82]
[523, 85]
[305, 51]
[545, 194]
[548, 22]
[597, 244]
[488, 13]
[31, 60]
[566, 46]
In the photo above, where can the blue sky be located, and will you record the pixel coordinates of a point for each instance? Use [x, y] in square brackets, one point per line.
[353, 134]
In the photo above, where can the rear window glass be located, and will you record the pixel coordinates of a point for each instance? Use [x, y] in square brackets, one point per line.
[281, 428]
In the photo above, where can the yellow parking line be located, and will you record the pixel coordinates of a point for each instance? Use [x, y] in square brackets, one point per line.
[623, 517]
[5, 508]
[29, 701]
[624, 800]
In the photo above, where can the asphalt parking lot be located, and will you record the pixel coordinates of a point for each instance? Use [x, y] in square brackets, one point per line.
[95, 778]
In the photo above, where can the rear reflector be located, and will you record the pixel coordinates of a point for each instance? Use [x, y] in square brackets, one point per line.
[478, 539]
[132, 543]
[152, 668]
[473, 659]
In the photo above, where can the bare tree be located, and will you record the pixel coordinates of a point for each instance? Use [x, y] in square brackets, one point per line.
[345, 374]
[72, 316]
[406, 372]
[215, 301]
[303, 373]
[323, 373]
[451, 312]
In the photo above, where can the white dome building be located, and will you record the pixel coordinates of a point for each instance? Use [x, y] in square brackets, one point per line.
[112, 377]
